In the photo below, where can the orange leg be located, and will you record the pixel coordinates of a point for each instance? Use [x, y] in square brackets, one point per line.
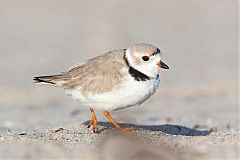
[118, 127]
[93, 121]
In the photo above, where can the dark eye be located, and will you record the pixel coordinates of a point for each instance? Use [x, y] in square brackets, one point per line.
[145, 58]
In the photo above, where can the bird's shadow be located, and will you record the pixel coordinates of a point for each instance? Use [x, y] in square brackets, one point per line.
[166, 128]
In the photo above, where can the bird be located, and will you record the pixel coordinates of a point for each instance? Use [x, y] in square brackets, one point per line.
[115, 80]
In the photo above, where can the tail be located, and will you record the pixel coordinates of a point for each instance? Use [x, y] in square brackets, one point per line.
[57, 80]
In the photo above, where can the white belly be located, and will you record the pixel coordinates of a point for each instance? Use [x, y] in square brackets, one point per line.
[130, 93]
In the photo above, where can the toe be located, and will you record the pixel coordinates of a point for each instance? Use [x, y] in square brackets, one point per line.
[126, 129]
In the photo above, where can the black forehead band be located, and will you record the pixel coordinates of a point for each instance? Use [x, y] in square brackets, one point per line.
[157, 51]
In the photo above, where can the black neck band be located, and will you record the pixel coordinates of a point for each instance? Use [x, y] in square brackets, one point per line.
[137, 75]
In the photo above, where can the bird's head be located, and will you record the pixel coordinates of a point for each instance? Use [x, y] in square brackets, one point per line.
[146, 58]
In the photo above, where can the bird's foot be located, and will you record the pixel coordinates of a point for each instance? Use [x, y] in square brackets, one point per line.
[125, 129]
[90, 124]
[96, 130]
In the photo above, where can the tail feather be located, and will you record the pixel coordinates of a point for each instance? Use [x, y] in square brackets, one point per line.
[53, 79]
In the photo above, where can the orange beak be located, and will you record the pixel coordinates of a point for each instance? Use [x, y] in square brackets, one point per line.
[160, 64]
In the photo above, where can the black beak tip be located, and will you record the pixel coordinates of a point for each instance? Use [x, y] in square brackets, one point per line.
[164, 66]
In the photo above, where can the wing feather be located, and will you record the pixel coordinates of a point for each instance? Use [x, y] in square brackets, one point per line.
[98, 75]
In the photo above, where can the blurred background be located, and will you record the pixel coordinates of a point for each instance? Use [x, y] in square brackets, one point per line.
[199, 39]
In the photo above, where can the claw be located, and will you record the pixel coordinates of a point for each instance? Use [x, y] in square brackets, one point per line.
[95, 130]
[90, 123]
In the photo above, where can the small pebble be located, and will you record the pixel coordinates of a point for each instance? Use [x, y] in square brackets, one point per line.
[22, 134]
[58, 130]
[214, 129]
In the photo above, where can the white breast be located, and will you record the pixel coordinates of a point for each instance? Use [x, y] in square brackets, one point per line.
[130, 93]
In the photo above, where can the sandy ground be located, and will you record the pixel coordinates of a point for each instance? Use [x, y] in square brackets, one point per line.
[148, 142]
[193, 115]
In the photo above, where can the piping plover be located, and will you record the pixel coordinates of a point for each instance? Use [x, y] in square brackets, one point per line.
[115, 80]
